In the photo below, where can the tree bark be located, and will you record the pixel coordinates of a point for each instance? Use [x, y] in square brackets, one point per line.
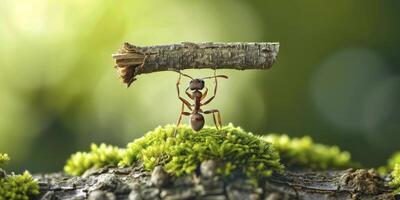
[133, 60]
[137, 184]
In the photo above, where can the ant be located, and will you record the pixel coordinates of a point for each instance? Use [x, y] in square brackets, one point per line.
[196, 117]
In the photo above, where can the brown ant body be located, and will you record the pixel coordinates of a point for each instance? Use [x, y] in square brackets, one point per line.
[196, 117]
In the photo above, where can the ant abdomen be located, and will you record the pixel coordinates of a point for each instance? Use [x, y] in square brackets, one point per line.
[197, 121]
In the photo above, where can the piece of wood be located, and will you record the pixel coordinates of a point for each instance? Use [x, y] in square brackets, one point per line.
[133, 60]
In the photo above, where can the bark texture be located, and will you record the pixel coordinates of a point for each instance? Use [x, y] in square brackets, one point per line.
[133, 60]
[136, 184]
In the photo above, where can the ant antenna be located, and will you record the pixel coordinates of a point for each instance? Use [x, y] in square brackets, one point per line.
[185, 75]
[217, 76]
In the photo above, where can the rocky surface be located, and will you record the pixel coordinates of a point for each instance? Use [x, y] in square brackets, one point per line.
[137, 184]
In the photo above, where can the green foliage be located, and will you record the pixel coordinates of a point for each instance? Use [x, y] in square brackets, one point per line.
[4, 159]
[18, 187]
[182, 153]
[396, 177]
[99, 156]
[303, 152]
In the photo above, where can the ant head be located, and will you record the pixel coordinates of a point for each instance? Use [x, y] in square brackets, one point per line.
[196, 84]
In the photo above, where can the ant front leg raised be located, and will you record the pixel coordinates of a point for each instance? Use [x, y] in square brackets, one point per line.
[213, 111]
[184, 101]
[188, 94]
[215, 90]
[205, 94]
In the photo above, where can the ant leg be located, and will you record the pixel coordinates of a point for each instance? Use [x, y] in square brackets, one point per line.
[179, 94]
[215, 121]
[186, 103]
[177, 83]
[187, 93]
[205, 94]
[216, 82]
[180, 116]
[213, 111]
[215, 90]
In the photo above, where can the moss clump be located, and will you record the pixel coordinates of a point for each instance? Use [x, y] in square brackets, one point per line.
[391, 163]
[392, 167]
[395, 178]
[4, 159]
[303, 152]
[99, 156]
[16, 187]
[182, 153]
[234, 148]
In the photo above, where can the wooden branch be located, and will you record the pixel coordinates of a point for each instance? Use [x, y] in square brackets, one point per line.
[133, 60]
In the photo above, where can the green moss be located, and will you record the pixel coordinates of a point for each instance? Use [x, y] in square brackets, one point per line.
[392, 167]
[99, 156]
[16, 187]
[393, 160]
[395, 177]
[183, 153]
[303, 152]
[4, 159]
[235, 149]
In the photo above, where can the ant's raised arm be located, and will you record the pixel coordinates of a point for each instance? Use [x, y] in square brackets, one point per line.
[215, 87]
[179, 95]
[187, 93]
[205, 94]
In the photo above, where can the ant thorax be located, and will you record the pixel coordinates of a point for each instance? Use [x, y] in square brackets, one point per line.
[197, 94]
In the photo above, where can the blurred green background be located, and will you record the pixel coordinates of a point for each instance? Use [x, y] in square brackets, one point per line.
[337, 77]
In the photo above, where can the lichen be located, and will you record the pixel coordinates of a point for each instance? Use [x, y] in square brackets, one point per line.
[16, 187]
[362, 180]
[304, 153]
[99, 156]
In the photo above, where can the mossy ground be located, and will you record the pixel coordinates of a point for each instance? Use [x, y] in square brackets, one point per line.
[16, 187]
[99, 156]
[180, 151]
[183, 151]
[304, 153]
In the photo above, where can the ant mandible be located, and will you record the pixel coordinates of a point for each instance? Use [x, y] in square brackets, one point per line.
[196, 117]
